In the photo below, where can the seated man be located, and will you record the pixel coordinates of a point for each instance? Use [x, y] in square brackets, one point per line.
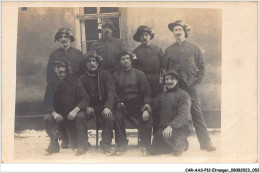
[175, 119]
[134, 96]
[65, 99]
[100, 86]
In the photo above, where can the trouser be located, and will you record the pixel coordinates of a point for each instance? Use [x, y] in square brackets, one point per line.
[197, 116]
[145, 127]
[76, 129]
[107, 128]
[156, 89]
[176, 143]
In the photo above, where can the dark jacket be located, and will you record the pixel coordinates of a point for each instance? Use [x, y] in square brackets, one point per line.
[63, 96]
[105, 88]
[109, 50]
[149, 60]
[73, 55]
[132, 87]
[174, 109]
[187, 59]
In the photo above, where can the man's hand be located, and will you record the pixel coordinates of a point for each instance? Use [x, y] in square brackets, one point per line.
[148, 108]
[89, 110]
[107, 113]
[57, 117]
[145, 115]
[167, 132]
[73, 113]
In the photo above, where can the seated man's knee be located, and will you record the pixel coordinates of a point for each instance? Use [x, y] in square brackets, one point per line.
[81, 116]
[118, 115]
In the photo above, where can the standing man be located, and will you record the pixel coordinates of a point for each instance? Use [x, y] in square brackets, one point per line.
[187, 59]
[100, 86]
[64, 37]
[149, 60]
[134, 97]
[175, 119]
[66, 99]
[108, 47]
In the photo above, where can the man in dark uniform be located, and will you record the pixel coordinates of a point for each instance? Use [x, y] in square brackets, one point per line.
[66, 99]
[187, 59]
[65, 37]
[100, 86]
[175, 119]
[134, 97]
[149, 60]
[108, 47]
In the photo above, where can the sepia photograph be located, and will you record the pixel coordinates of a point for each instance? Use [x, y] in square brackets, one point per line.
[123, 83]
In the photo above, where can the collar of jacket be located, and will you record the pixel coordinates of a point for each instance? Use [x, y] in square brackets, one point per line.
[66, 50]
[146, 45]
[108, 39]
[182, 43]
[92, 74]
[174, 89]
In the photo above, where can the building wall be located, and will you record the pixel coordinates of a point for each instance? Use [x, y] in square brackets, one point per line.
[36, 30]
[37, 27]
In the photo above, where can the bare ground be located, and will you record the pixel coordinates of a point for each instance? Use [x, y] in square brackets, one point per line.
[30, 145]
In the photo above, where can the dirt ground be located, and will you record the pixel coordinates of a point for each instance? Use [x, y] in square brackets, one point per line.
[30, 147]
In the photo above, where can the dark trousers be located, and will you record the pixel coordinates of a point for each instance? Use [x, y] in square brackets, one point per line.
[197, 116]
[176, 143]
[107, 128]
[145, 127]
[76, 130]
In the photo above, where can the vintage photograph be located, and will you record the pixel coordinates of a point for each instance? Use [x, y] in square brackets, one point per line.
[117, 82]
[125, 82]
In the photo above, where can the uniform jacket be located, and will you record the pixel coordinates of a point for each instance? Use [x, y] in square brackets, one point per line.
[109, 50]
[73, 55]
[63, 96]
[105, 88]
[132, 87]
[187, 59]
[174, 109]
[149, 60]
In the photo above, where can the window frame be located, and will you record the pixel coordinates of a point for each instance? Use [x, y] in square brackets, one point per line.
[82, 17]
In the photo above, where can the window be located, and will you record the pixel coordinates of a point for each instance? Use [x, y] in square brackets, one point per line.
[89, 19]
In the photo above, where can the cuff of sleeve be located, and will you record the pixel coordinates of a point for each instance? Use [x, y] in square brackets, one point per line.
[108, 106]
[173, 125]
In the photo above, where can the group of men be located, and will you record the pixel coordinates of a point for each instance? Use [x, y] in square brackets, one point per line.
[158, 90]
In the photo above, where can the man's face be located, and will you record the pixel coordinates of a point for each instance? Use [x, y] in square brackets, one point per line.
[107, 31]
[170, 81]
[60, 71]
[178, 32]
[64, 41]
[145, 38]
[125, 61]
[92, 64]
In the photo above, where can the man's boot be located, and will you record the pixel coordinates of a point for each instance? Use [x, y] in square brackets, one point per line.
[54, 147]
[64, 144]
[186, 144]
[208, 147]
